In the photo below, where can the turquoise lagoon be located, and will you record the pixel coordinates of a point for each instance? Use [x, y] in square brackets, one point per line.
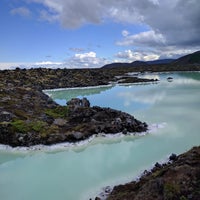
[172, 109]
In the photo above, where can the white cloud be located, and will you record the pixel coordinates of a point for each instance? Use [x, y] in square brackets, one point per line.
[84, 60]
[177, 21]
[85, 55]
[122, 14]
[47, 63]
[147, 38]
[174, 51]
[46, 16]
[22, 11]
[170, 52]
[56, 6]
[130, 56]
[9, 65]
[125, 33]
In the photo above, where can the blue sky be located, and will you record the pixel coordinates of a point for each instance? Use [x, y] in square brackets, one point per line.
[92, 33]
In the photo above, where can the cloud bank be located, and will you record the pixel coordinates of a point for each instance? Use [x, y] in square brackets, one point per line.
[79, 60]
[173, 25]
[174, 22]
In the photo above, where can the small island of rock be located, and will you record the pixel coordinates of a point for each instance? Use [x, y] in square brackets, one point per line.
[55, 124]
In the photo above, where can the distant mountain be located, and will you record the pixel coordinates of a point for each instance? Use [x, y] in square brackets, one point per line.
[193, 58]
[162, 61]
[138, 63]
[116, 65]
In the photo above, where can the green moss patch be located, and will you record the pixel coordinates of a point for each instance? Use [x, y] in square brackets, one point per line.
[53, 129]
[58, 112]
[24, 126]
[19, 126]
[171, 190]
[37, 125]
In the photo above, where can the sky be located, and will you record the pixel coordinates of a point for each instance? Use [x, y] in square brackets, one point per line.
[92, 33]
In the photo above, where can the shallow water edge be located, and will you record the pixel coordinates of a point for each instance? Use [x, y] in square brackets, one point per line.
[83, 143]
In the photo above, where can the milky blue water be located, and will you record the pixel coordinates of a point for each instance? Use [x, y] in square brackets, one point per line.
[79, 172]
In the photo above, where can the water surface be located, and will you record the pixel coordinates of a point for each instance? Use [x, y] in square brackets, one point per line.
[81, 171]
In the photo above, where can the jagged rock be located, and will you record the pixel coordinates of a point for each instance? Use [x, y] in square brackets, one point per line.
[85, 103]
[77, 135]
[59, 122]
[107, 189]
[173, 157]
[131, 79]
[158, 165]
[76, 103]
[124, 131]
[169, 79]
[6, 116]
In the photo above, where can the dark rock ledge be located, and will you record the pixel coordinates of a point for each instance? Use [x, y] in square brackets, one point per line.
[45, 122]
[132, 79]
[178, 179]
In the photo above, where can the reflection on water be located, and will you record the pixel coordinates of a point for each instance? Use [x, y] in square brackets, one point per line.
[10, 154]
[192, 75]
[148, 97]
[79, 172]
[151, 76]
[64, 95]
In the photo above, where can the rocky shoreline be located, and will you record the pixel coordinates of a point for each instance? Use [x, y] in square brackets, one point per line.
[179, 179]
[29, 117]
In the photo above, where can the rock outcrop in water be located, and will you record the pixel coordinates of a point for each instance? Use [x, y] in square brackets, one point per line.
[179, 180]
[101, 120]
[33, 118]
